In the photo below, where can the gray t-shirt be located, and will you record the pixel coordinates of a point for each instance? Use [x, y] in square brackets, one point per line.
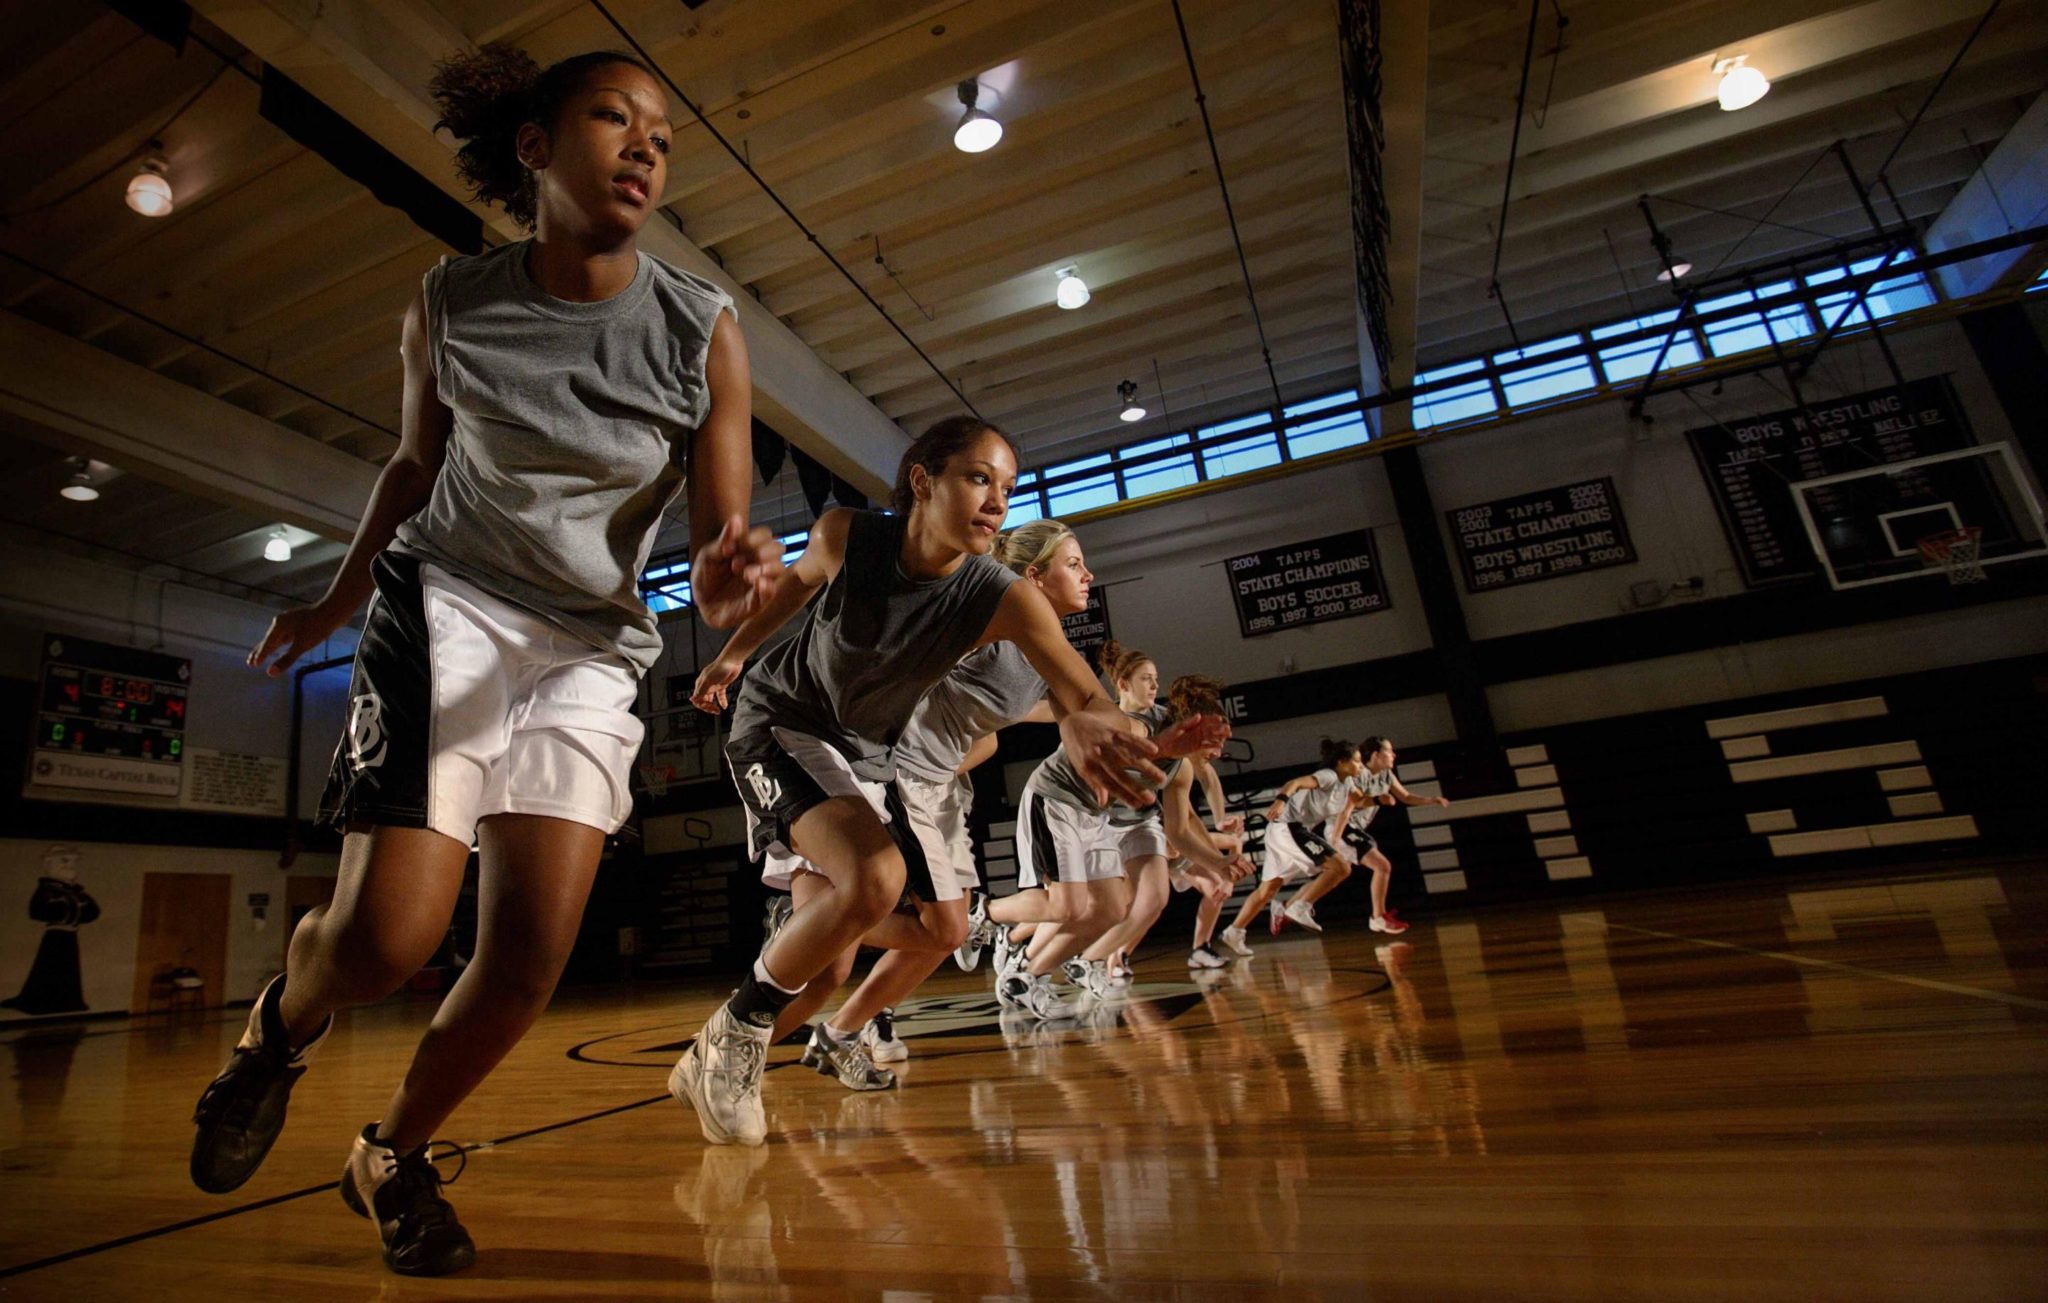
[992, 688]
[571, 437]
[1056, 779]
[1374, 785]
[871, 645]
[1312, 807]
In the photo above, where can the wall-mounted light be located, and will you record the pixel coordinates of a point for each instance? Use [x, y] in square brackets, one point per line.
[1127, 394]
[977, 132]
[149, 190]
[278, 547]
[1072, 291]
[1741, 85]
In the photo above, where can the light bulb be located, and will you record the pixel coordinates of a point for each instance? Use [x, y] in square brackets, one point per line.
[1674, 271]
[278, 547]
[1127, 393]
[78, 490]
[148, 192]
[1741, 85]
[1132, 413]
[1072, 292]
[977, 132]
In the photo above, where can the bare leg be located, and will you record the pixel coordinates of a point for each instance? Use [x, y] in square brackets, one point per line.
[1206, 914]
[1333, 874]
[802, 888]
[537, 873]
[392, 902]
[896, 974]
[1255, 903]
[1101, 903]
[1148, 899]
[863, 871]
[1031, 905]
[1382, 874]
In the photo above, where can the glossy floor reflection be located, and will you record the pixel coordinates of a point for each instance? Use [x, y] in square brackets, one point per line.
[1783, 1091]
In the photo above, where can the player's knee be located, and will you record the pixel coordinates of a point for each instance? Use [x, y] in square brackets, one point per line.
[374, 961]
[950, 930]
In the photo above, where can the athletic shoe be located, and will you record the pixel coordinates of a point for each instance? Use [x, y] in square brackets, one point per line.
[1042, 1001]
[1394, 916]
[1206, 957]
[242, 1111]
[1090, 977]
[1304, 913]
[1119, 970]
[779, 909]
[1006, 949]
[879, 1038]
[402, 1194]
[1389, 924]
[1277, 916]
[980, 932]
[1010, 989]
[1233, 941]
[847, 1060]
[720, 1077]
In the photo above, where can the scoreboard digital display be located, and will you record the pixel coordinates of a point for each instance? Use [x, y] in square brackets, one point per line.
[110, 719]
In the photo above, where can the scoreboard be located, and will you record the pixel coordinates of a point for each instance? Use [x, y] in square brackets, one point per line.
[109, 719]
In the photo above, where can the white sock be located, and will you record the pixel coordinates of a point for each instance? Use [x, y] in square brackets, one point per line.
[766, 978]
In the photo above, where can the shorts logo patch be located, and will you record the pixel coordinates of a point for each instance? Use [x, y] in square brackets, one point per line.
[366, 740]
[766, 790]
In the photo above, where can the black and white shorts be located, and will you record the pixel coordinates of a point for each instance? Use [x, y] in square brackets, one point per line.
[1059, 842]
[782, 774]
[462, 706]
[1354, 844]
[1294, 850]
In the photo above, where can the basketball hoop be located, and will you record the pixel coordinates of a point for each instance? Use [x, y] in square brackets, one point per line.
[1957, 551]
[656, 778]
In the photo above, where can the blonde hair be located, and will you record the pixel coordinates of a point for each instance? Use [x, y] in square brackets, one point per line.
[1031, 544]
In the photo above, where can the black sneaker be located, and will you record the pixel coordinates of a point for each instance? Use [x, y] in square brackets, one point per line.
[421, 1236]
[240, 1114]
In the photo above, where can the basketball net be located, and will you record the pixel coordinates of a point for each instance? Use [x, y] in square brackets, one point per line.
[1957, 552]
[657, 778]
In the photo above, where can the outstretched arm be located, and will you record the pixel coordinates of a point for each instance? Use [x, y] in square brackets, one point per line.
[1406, 797]
[1099, 738]
[823, 555]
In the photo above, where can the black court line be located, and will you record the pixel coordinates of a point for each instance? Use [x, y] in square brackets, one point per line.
[258, 1205]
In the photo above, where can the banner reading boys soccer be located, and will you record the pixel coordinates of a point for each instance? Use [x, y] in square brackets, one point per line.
[1306, 583]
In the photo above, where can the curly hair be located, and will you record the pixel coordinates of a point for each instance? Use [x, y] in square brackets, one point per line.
[1119, 662]
[485, 98]
[1195, 694]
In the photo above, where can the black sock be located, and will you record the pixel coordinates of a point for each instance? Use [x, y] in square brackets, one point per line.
[757, 1002]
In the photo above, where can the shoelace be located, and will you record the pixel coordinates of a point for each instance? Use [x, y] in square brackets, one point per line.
[418, 1185]
[746, 1055]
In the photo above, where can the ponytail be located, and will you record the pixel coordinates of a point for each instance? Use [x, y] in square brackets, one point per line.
[1119, 662]
[485, 97]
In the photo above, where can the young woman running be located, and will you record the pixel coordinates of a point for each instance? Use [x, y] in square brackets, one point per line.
[1142, 836]
[1070, 842]
[1296, 847]
[556, 391]
[1228, 838]
[993, 687]
[1349, 833]
[904, 598]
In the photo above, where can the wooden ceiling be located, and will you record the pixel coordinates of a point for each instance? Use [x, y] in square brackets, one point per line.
[276, 260]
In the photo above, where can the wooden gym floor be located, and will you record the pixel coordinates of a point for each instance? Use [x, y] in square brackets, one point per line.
[1833, 1089]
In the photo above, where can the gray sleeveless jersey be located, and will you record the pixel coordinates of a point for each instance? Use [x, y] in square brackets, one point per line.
[992, 688]
[1315, 806]
[871, 645]
[1056, 779]
[571, 436]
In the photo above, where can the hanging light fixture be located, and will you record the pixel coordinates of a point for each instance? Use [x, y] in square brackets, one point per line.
[278, 547]
[1741, 85]
[1127, 393]
[80, 487]
[1072, 291]
[977, 131]
[149, 190]
[1674, 271]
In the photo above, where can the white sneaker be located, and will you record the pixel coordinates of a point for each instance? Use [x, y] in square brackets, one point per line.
[720, 1077]
[1276, 916]
[847, 1060]
[879, 1038]
[980, 932]
[1089, 976]
[1010, 989]
[1042, 1001]
[1206, 957]
[1388, 924]
[1304, 913]
[1233, 941]
[1006, 949]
